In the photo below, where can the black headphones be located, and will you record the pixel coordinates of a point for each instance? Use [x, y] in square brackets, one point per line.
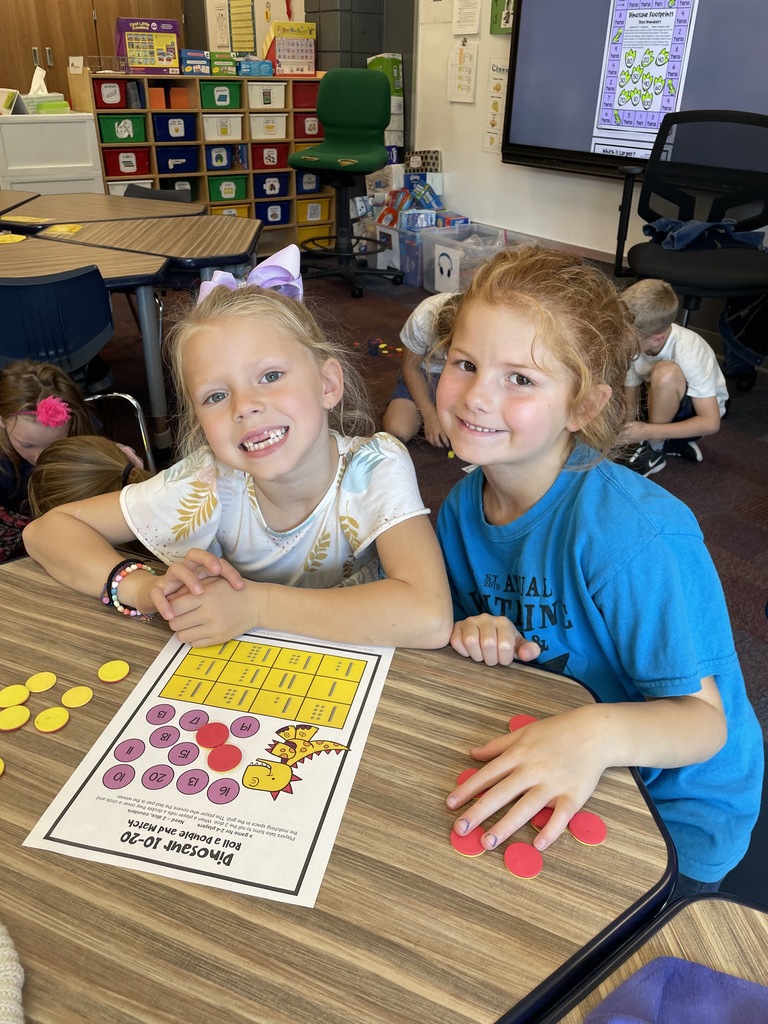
[448, 267]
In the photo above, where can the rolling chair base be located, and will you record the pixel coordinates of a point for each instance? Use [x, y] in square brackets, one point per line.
[348, 260]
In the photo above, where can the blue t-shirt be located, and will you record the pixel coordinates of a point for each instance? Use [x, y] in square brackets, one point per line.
[609, 574]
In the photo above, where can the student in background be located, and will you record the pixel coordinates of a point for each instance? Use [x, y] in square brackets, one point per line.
[412, 403]
[556, 553]
[282, 499]
[81, 467]
[39, 404]
[676, 391]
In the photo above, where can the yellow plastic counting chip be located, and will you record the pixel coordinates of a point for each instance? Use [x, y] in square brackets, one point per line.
[113, 671]
[41, 681]
[12, 695]
[51, 720]
[76, 696]
[14, 718]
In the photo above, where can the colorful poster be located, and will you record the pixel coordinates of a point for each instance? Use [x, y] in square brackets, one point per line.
[646, 56]
[227, 766]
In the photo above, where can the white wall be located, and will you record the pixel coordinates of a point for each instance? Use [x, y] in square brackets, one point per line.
[577, 209]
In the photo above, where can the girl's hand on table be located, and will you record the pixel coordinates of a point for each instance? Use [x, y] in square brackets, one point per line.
[188, 575]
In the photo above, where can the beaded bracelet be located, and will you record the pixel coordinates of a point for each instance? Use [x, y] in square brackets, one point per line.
[115, 578]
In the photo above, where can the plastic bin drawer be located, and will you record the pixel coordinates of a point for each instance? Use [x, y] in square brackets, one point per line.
[174, 127]
[305, 94]
[268, 186]
[269, 126]
[177, 159]
[266, 95]
[237, 210]
[108, 94]
[307, 126]
[122, 128]
[307, 181]
[133, 162]
[308, 211]
[228, 188]
[117, 188]
[278, 212]
[224, 127]
[219, 94]
[274, 155]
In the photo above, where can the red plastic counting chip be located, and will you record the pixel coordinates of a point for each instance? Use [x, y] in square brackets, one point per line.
[523, 860]
[588, 828]
[468, 845]
[212, 735]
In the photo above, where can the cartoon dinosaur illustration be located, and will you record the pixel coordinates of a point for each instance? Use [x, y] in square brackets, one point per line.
[671, 87]
[618, 35]
[297, 744]
[617, 117]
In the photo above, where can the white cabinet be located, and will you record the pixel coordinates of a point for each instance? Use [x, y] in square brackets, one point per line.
[50, 153]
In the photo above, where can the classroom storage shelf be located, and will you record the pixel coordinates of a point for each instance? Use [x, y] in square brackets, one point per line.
[227, 140]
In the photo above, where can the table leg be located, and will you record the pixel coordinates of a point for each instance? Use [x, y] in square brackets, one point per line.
[150, 338]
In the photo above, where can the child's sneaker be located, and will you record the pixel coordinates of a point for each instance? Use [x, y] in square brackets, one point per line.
[687, 450]
[645, 460]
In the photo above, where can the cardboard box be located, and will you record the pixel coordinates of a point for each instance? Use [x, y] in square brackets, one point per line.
[449, 219]
[427, 160]
[251, 67]
[223, 64]
[415, 220]
[392, 66]
[195, 62]
[290, 47]
[150, 46]
[425, 197]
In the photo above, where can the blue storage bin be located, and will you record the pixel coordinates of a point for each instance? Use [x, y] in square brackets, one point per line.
[270, 186]
[307, 181]
[273, 213]
[177, 159]
[174, 127]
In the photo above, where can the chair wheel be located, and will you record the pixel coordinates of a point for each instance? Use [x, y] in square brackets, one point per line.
[399, 279]
[743, 381]
[357, 293]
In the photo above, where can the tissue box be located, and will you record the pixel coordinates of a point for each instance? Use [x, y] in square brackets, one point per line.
[423, 160]
[414, 220]
[54, 101]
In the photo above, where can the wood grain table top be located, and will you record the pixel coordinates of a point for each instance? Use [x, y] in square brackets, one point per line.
[10, 198]
[723, 934]
[191, 242]
[404, 930]
[35, 257]
[84, 207]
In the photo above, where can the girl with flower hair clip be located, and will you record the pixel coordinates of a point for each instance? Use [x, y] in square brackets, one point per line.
[283, 498]
[39, 404]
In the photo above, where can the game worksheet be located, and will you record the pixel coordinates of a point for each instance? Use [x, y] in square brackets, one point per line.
[228, 766]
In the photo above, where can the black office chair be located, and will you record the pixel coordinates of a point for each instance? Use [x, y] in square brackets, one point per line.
[65, 319]
[354, 108]
[172, 195]
[708, 166]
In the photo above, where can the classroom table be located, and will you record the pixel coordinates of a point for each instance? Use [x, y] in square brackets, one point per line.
[194, 243]
[10, 198]
[720, 932]
[34, 257]
[404, 930]
[84, 207]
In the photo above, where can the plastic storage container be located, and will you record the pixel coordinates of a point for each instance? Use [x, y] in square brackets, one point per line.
[306, 181]
[126, 161]
[228, 188]
[177, 159]
[219, 94]
[237, 210]
[266, 95]
[269, 126]
[117, 188]
[278, 212]
[122, 128]
[108, 94]
[310, 210]
[269, 186]
[180, 185]
[274, 155]
[224, 127]
[466, 247]
[307, 126]
[305, 94]
[174, 127]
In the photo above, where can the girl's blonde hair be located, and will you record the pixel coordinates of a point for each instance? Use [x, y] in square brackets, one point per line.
[79, 467]
[579, 318]
[24, 383]
[352, 416]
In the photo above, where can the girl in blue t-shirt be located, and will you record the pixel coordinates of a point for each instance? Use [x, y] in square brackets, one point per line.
[557, 555]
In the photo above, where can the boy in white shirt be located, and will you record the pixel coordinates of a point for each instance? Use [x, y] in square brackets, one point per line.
[685, 391]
